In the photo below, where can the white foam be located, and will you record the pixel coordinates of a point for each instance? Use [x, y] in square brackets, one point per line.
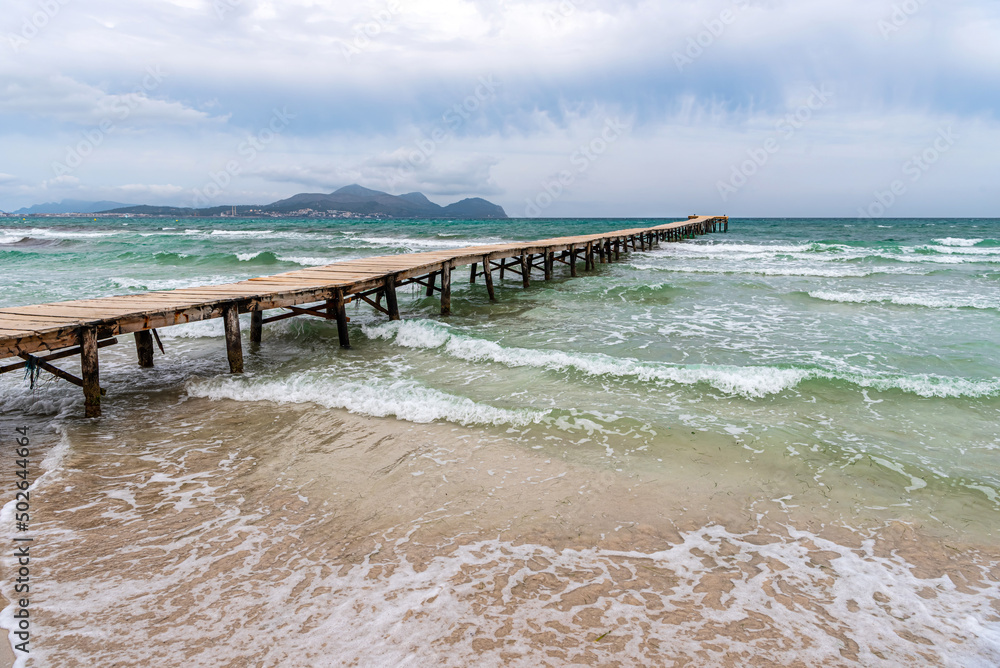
[409, 242]
[779, 605]
[748, 381]
[308, 261]
[246, 257]
[11, 238]
[404, 399]
[976, 301]
[752, 382]
[832, 272]
[171, 283]
[951, 241]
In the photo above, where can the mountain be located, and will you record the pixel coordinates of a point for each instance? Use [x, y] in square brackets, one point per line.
[356, 199]
[351, 199]
[71, 206]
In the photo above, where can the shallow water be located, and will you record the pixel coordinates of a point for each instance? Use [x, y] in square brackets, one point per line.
[775, 445]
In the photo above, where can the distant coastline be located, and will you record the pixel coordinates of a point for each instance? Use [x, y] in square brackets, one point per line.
[354, 202]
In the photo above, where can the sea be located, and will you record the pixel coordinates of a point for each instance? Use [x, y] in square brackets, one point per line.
[773, 446]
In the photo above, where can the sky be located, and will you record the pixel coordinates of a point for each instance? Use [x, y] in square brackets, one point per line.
[562, 108]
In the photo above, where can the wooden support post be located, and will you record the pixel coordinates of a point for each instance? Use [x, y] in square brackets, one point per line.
[488, 275]
[589, 262]
[431, 279]
[642, 242]
[234, 342]
[446, 288]
[337, 306]
[256, 328]
[472, 273]
[391, 304]
[525, 271]
[572, 261]
[600, 251]
[618, 249]
[91, 370]
[144, 348]
[503, 267]
[550, 258]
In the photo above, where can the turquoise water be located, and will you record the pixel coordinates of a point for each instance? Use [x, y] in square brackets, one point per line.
[783, 437]
[837, 338]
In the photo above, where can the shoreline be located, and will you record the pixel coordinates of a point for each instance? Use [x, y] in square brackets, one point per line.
[442, 527]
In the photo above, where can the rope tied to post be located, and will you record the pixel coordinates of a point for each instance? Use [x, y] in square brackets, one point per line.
[32, 371]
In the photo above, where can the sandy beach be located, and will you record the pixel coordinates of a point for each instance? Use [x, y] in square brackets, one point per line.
[303, 535]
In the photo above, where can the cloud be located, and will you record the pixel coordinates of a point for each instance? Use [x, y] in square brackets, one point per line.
[699, 83]
[63, 99]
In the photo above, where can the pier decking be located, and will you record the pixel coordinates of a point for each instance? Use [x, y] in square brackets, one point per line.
[82, 327]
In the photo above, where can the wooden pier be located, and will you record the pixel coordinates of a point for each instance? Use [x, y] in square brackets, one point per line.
[83, 327]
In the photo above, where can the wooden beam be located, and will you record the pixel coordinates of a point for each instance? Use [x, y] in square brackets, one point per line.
[91, 371]
[525, 278]
[488, 275]
[432, 278]
[547, 261]
[572, 261]
[472, 273]
[234, 342]
[390, 297]
[144, 348]
[446, 288]
[378, 307]
[54, 356]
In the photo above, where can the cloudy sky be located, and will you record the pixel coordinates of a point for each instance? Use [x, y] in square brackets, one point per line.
[560, 108]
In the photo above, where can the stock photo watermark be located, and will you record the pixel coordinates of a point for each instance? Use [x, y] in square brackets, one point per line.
[121, 109]
[786, 128]
[582, 159]
[913, 170]
[248, 150]
[223, 7]
[558, 16]
[365, 33]
[714, 29]
[34, 24]
[901, 15]
[452, 120]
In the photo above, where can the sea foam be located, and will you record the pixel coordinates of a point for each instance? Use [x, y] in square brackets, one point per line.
[752, 382]
[405, 399]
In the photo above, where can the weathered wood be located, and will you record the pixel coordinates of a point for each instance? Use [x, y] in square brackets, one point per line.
[234, 342]
[144, 348]
[572, 261]
[341, 313]
[590, 256]
[256, 327]
[446, 288]
[525, 277]
[488, 275]
[549, 259]
[432, 278]
[91, 371]
[30, 329]
[392, 306]
[472, 273]
[54, 356]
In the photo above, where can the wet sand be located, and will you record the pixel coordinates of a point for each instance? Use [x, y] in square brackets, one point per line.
[234, 534]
